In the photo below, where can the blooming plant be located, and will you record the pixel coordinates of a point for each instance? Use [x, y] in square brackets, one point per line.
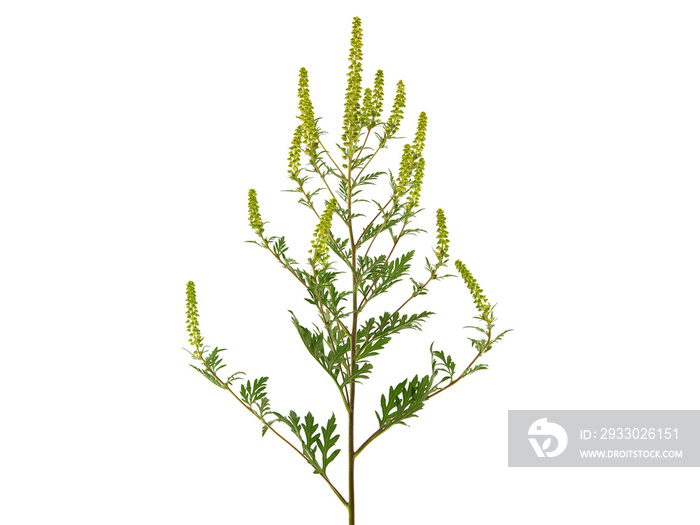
[347, 340]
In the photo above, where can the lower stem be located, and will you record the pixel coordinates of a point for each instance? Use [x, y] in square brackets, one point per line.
[351, 457]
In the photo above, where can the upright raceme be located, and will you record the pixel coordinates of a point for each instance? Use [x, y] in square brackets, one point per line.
[442, 241]
[482, 304]
[397, 110]
[193, 317]
[295, 154]
[352, 122]
[405, 169]
[306, 108]
[419, 163]
[319, 244]
[412, 165]
[254, 213]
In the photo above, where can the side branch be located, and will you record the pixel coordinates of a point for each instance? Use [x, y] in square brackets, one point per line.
[386, 262]
[388, 425]
[286, 265]
[269, 426]
[340, 172]
[482, 347]
[461, 376]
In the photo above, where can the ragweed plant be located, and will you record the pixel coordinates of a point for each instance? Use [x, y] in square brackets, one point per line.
[342, 243]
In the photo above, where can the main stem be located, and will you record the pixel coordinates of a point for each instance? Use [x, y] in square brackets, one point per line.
[351, 457]
[353, 354]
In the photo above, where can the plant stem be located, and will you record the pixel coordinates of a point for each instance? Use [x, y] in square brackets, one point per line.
[386, 262]
[351, 458]
[456, 380]
[353, 355]
[383, 428]
[213, 373]
[288, 267]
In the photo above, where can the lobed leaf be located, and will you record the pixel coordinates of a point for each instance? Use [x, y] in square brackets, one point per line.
[403, 401]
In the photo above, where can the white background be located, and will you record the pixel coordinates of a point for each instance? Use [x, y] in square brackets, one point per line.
[562, 145]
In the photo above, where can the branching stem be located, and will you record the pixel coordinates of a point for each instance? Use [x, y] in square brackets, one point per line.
[269, 426]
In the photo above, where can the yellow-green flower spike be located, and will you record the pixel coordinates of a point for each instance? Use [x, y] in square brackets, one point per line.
[295, 154]
[443, 242]
[397, 111]
[378, 96]
[419, 165]
[482, 304]
[405, 169]
[307, 110]
[419, 141]
[351, 120]
[367, 108]
[417, 182]
[373, 101]
[254, 213]
[319, 244]
[192, 317]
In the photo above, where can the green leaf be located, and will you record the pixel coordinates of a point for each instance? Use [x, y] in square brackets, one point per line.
[339, 247]
[385, 275]
[208, 375]
[442, 363]
[254, 395]
[389, 219]
[374, 339]
[307, 434]
[403, 401]
[360, 371]
[234, 377]
[213, 360]
[327, 441]
[473, 369]
[373, 336]
[292, 421]
[309, 428]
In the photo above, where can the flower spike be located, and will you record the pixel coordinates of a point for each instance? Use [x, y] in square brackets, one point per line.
[442, 241]
[295, 154]
[482, 304]
[405, 169]
[306, 109]
[192, 317]
[419, 165]
[319, 244]
[397, 111]
[254, 213]
[378, 95]
[352, 118]
[419, 141]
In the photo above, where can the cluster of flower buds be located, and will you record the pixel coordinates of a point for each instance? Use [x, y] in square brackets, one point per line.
[192, 317]
[443, 242]
[397, 110]
[412, 164]
[319, 244]
[295, 154]
[482, 304]
[373, 102]
[254, 213]
[419, 162]
[405, 169]
[306, 108]
[352, 121]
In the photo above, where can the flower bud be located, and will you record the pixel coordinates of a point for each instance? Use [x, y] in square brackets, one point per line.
[482, 304]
